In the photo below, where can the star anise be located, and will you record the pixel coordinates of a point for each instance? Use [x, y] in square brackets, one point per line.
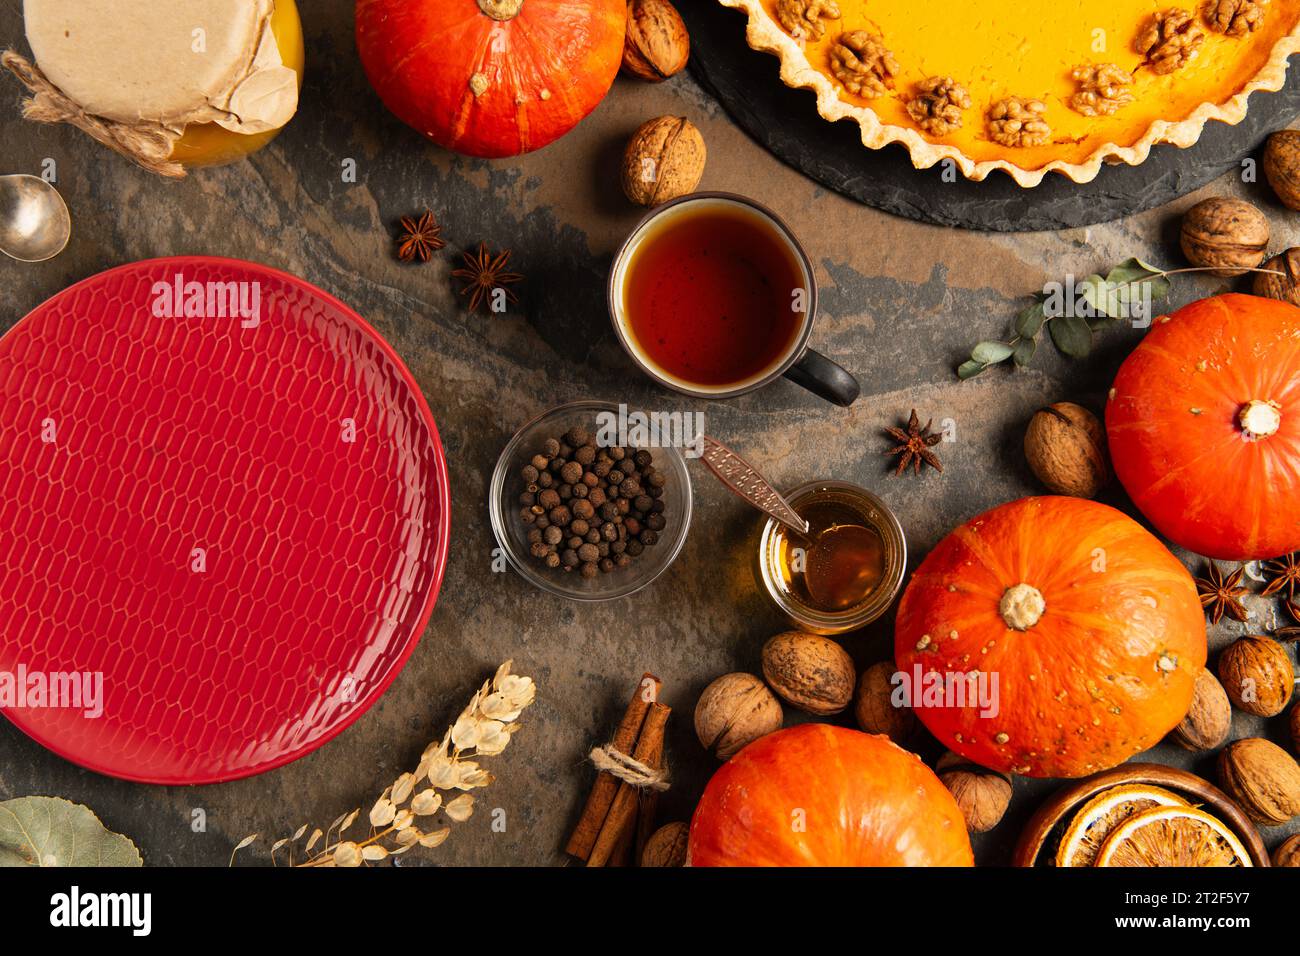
[486, 273]
[915, 445]
[1284, 575]
[1220, 595]
[419, 238]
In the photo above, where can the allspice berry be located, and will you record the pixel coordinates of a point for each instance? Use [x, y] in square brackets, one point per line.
[1208, 720]
[664, 160]
[657, 44]
[982, 794]
[1262, 778]
[735, 710]
[1257, 674]
[810, 671]
[1282, 166]
[1282, 280]
[1288, 852]
[667, 846]
[874, 708]
[1227, 236]
[1065, 446]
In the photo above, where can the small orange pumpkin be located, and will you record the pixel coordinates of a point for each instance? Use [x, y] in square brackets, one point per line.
[491, 77]
[1083, 634]
[1204, 427]
[817, 795]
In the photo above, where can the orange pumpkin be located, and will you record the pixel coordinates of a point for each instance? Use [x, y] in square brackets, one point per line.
[1204, 427]
[491, 77]
[817, 795]
[1051, 637]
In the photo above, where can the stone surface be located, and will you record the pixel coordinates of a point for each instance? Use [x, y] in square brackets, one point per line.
[901, 304]
[786, 122]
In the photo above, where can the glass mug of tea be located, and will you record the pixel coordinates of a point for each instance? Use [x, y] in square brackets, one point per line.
[713, 296]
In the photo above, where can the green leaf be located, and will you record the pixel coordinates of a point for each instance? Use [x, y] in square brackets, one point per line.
[1072, 336]
[1160, 287]
[991, 353]
[1136, 283]
[970, 369]
[1130, 270]
[1097, 293]
[1030, 321]
[1024, 352]
[50, 831]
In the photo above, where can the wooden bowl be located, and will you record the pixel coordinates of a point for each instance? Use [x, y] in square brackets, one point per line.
[1060, 806]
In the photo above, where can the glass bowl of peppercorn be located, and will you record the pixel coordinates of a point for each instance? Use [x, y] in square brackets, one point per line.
[582, 510]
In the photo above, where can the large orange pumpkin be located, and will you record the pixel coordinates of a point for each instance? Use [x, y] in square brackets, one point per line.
[817, 795]
[1204, 427]
[1084, 633]
[491, 77]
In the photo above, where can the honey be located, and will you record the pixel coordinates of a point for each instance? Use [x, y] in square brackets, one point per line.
[846, 571]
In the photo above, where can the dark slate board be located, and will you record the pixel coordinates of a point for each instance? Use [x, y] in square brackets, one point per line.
[786, 122]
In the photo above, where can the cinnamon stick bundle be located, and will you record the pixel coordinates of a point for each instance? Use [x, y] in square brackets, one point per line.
[607, 785]
[621, 820]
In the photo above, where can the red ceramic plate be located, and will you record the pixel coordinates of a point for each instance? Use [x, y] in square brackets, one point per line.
[228, 505]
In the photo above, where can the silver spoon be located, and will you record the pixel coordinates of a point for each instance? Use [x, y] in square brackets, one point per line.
[34, 220]
[831, 585]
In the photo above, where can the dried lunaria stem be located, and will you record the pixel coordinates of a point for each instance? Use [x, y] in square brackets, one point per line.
[403, 815]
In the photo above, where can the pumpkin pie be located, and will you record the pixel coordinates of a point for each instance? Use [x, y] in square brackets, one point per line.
[1001, 84]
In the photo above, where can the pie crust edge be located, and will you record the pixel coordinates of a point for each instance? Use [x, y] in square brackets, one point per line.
[765, 34]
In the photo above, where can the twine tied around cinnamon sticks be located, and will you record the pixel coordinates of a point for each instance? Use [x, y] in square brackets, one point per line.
[628, 769]
[619, 815]
[149, 144]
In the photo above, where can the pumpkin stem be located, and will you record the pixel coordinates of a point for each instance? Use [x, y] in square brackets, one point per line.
[1022, 606]
[501, 9]
[1259, 419]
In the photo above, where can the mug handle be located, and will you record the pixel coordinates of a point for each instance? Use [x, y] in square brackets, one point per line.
[824, 379]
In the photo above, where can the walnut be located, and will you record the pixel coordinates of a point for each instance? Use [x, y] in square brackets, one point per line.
[1065, 446]
[1103, 89]
[735, 710]
[663, 160]
[1170, 40]
[802, 19]
[861, 62]
[1208, 720]
[1236, 18]
[1281, 280]
[1016, 121]
[874, 705]
[1262, 778]
[982, 795]
[811, 672]
[1228, 236]
[1282, 166]
[1288, 852]
[657, 45]
[1257, 675]
[667, 847]
[938, 105]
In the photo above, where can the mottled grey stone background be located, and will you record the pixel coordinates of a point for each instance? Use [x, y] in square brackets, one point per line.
[902, 302]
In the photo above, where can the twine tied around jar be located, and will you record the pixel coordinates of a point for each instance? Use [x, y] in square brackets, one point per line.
[148, 144]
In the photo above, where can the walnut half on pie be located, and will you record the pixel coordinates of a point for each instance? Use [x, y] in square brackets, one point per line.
[993, 84]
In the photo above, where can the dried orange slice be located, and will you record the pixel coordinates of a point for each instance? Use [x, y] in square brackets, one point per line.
[1099, 817]
[1173, 836]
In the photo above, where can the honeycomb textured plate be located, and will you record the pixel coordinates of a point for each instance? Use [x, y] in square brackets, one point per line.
[239, 521]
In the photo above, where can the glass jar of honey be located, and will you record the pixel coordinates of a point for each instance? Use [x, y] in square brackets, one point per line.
[847, 570]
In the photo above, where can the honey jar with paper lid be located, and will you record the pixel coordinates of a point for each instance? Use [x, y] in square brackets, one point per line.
[171, 85]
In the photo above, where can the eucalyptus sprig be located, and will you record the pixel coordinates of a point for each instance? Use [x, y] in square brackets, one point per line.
[1106, 299]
